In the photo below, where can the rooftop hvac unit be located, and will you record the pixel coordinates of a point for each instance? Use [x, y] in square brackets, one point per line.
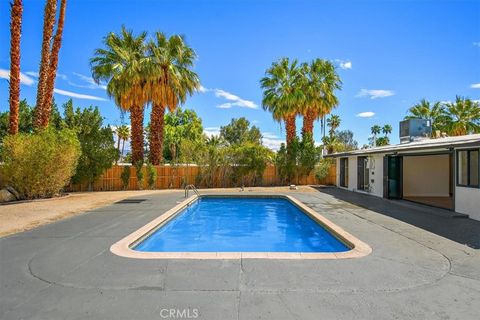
[415, 129]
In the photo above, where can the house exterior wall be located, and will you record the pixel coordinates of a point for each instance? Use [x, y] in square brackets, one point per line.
[467, 200]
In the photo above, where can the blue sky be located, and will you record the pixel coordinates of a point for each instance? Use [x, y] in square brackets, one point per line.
[390, 54]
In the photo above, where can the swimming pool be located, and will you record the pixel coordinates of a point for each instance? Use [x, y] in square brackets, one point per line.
[242, 225]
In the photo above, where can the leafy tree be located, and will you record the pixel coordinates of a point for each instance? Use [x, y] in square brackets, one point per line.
[181, 125]
[125, 177]
[308, 156]
[97, 143]
[345, 138]
[249, 161]
[239, 132]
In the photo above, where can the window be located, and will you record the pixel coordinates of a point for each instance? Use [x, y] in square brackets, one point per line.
[344, 172]
[468, 168]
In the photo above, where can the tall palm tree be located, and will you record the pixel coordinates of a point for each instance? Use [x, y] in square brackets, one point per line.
[321, 81]
[52, 68]
[15, 34]
[333, 122]
[123, 133]
[171, 80]
[282, 93]
[376, 129]
[463, 117]
[48, 25]
[387, 129]
[425, 110]
[122, 64]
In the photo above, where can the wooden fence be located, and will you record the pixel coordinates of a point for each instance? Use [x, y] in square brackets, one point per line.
[169, 177]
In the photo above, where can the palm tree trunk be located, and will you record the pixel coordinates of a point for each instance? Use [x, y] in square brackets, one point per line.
[118, 147]
[291, 128]
[48, 25]
[136, 119]
[156, 133]
[308, 120]
[123, 148]
[52, 69]
[15, 34]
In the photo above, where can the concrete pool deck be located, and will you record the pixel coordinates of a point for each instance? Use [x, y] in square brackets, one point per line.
[420, 268]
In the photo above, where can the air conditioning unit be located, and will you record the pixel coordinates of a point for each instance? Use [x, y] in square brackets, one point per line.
[415, 129]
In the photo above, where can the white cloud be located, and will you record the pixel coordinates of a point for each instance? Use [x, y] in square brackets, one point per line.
[211, 131]
[345, 65]
[90, 83]
[475, 86]
[269, 135]
[375, 94]
[24, 79]
[366, 114]
[273, 144]
[77, 95]
[236, 101]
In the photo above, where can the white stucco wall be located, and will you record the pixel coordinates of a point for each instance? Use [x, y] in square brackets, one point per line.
[376, 174]
[467, 200]
[426, 176]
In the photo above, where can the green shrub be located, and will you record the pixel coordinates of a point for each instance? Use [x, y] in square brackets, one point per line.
[323, 168]
[39, 165]
[140, 175]
[125, 177]
[151, 176]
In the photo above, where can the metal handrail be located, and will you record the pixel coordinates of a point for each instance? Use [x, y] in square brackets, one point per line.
[191, 187]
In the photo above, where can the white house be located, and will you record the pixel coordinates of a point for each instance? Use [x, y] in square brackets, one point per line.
[441, 172]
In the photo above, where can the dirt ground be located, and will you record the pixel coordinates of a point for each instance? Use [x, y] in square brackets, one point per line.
[18, 217]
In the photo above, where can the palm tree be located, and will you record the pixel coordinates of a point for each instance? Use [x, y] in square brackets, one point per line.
[15, 34]
[333, 122]
[171, 80]
[48, 25]
[425, 110]
[463, 117]
[387, 129]
[376, 129]
[122, 64]
[52, 68]
[123, 133]
[282, 94]
[321, 80]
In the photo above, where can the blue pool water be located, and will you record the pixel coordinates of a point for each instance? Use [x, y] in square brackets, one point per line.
[241, 225]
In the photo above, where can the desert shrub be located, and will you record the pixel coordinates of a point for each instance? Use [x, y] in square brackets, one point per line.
[39, 165]
[125, 177]
[151, 176]
[323, 168]
[139, 173]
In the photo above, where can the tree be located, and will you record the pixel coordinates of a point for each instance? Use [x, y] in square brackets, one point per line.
[171, 80]
[52, 68]
[181, 125]
[376, 129]
[282, 94]
[345, 137]
[425, 110]
[122, 64]
[333, 122]
[463, 117]
[239, 132]
[321, 81]
[96, 141]
[249, 161]
[15, 34]
[387, 129]
[48, 26]
[123, 133]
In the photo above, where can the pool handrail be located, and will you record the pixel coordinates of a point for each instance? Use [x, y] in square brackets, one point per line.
[191, 187]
